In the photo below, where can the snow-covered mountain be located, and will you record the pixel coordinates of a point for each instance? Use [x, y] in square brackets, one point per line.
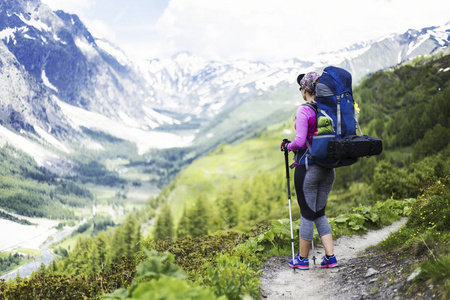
[206, 88]
[186, 83]
[56, 79]
[58, 51]
[52, 66]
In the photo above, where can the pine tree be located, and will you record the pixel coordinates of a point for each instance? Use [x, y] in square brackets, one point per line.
[80, 261]
[198, 218]
[100, 251]
[118, 244]
[228, 210]
[163, 225]
[183, 226]
[129, 236]
[137, 239]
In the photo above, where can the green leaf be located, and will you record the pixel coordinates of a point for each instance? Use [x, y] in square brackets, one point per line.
[341, 219]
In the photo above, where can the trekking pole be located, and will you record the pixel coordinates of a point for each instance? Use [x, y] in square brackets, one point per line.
[286, 158]
[314, 252]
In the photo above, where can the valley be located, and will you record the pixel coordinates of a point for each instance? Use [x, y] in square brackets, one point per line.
[42, 236]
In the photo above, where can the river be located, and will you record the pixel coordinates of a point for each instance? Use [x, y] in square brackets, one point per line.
[47, 256]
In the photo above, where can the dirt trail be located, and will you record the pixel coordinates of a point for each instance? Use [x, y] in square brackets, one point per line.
[278, 281]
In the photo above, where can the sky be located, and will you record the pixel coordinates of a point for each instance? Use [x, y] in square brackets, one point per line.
[256, 30]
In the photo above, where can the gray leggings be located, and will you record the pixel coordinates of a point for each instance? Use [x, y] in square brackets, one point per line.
[313, 187]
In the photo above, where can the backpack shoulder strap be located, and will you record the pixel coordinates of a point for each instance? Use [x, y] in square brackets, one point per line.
[313, 106]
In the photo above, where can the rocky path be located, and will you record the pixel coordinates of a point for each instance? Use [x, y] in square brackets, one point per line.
[278, 281]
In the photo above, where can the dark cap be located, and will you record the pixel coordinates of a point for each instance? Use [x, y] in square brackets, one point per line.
[299, 78]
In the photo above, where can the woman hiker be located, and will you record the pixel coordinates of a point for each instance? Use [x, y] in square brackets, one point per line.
[313, 183]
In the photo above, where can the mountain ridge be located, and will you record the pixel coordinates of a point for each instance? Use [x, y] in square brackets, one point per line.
[55, 59]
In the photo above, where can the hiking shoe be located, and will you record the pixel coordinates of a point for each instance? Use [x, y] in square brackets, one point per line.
[329, 263]
[299, 264]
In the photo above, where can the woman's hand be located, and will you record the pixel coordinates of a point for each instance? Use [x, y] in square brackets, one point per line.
[284, 145]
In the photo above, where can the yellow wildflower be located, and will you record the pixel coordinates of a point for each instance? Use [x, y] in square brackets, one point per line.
[357, 108]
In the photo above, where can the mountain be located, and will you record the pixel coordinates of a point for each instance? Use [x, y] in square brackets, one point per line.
[58, 81]
[185, 81]
[396, 49]
[57, 50]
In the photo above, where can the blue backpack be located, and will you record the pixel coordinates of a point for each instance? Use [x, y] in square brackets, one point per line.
[335, 103]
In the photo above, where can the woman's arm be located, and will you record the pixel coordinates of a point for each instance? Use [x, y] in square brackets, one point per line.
[301, 128]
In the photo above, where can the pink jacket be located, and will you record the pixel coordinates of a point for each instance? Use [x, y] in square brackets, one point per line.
[305, 126]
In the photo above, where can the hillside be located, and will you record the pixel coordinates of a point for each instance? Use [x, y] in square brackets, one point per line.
[243, 186]
[386, 99]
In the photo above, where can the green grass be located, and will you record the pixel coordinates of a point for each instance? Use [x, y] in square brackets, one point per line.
[426, 236]
[33, 253]
[251, 116]
[24, 251]
[341, 201]
[210, 174]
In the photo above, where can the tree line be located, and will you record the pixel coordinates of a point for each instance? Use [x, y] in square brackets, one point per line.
[11, 261]
[29, 190]
[92, 254]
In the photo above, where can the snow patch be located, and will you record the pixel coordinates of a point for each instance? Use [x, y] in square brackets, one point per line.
[151, 123]
[144, 140]
[52, 140]
[160, 118]
[47, 82]
[127, 120]
[10, 33]
[86, 48]
[270, 81]
[28, 37]
[56, 38]
[216, 107]
[243, 90]
[38, 152]
[36, 23]
[92, 145]
[114, 52]
[7, 33]
[420, 41]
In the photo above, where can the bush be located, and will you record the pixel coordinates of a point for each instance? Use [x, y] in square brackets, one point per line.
[55, 286]
[231, 277]
[158, 278]
[438, 270]
[434, 141]
[191, 253]
[390, 181]
[428, 224]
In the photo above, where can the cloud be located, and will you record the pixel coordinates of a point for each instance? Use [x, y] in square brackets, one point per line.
[83, 9]
[265, 30]
[272, 30]
[100, 29]
[70, 6]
